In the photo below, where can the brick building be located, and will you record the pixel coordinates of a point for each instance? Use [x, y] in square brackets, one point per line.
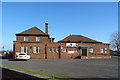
[39, 45]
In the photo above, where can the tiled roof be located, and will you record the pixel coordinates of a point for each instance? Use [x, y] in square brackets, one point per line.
[33, 31]
[78, 38]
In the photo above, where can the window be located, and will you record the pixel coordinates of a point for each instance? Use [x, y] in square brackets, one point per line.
[37, 38]
[91, 50]
[26, 38]
[24, 49]
[53, 50]
[102, 50]
[75, 50]
[50, 50]
[36, 50]
[64, 50]
[57, 50]
[105, 50]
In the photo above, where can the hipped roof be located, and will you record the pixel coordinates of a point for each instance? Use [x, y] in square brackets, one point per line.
[32, 31]
[78, 38]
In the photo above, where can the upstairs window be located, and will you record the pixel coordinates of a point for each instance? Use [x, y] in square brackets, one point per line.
[36, 50]
[37, 38]
[26, 38]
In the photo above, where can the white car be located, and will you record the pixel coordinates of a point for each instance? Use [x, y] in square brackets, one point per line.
[23, 56]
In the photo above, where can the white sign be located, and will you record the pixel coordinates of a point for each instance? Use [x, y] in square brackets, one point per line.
[71, 44]
[71, 51]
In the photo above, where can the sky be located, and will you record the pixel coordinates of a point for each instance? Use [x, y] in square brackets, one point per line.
[96, 20]
[60, 0]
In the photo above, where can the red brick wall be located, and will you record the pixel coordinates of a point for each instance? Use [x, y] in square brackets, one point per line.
[33, 38]
[44, 41]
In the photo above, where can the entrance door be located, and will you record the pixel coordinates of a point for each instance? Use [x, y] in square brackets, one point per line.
[84, 52]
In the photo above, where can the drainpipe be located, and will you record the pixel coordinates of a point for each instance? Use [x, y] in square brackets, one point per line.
[14, 54]
[45, 51]
[59, 47]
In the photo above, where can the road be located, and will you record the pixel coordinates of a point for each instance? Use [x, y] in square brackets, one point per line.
[71, 68]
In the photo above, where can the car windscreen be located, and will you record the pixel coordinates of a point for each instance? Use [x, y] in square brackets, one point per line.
[22, 54]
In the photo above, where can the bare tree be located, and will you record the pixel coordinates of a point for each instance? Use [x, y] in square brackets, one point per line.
[115, 41]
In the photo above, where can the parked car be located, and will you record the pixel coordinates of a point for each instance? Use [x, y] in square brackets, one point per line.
[117, 54]
[23, 56]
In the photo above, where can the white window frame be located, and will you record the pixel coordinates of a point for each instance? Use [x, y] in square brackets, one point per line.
[53, 50]
[26, 38]
[105, 51]
[102, 50]
[50, 50]
[37, 38]
[24, 49]
[36, 49]
[75, 50]
[57, 50]
[64, 50]
[91, 50]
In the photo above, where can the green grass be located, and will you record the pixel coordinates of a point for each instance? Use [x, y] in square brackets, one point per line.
[39, 73]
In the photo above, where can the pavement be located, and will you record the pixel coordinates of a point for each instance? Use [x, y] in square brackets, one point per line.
[71, 68]
[8, 74]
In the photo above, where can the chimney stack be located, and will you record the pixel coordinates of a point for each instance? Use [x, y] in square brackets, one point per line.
[46, 27]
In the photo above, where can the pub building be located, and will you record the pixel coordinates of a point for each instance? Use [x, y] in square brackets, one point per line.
[39, 45]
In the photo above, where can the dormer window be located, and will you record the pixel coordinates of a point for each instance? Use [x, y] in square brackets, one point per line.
[26, 38]
[37, 38]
